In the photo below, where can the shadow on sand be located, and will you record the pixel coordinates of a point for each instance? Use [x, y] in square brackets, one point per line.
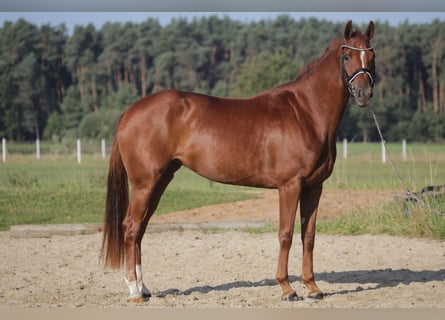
[382, 278]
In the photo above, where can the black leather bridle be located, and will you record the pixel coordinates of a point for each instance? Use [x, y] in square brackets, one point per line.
[349, 79]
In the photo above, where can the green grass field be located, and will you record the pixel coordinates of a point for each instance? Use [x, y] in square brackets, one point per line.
[425, 165]
[56, 189]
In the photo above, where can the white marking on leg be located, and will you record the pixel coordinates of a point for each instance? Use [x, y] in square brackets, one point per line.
[139, 273]
[141, 286]
[133, 287]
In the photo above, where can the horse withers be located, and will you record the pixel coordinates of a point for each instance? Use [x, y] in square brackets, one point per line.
[282, 138]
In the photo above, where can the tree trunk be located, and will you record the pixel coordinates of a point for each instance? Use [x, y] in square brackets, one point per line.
[214, 50]
[435, 84]
[143, 80]
[117, 77]
[441, 97]
[156, 85]
[127, 71]
[80, 82]
[421, 94]
[365, 135]
[36, 123]
[110, 79]
[94, 93]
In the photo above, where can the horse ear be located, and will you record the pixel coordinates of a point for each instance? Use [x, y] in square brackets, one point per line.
[348, 30]
[370, 30]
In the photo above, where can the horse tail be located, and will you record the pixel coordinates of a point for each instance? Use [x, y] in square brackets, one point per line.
[115, 209]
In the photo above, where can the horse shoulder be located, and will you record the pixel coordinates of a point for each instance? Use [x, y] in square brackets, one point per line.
[304, 139]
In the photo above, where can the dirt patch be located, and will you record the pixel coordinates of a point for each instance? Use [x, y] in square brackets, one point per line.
[333, 203]
[230, 268]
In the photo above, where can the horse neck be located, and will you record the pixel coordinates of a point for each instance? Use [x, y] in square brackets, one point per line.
[324, 87]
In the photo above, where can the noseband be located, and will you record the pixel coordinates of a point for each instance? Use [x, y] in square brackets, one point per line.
[355, 74]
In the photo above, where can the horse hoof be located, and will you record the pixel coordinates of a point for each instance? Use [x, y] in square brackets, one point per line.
[316, 295]
[290, 296]
[136, 299]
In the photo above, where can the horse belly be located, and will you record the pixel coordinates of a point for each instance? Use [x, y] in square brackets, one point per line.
[228, 162]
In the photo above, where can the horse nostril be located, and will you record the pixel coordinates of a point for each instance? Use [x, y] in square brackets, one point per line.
[359, 93]
[363, 96]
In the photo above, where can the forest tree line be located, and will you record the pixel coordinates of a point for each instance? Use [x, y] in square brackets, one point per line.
[55, 85]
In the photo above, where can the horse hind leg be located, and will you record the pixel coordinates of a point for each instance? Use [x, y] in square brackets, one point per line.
[153, 202]
[144, 291]
[136, 213]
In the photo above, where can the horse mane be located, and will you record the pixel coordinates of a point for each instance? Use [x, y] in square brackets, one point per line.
[307, 69]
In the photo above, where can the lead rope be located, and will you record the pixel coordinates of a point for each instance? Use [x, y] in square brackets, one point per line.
[409, 194]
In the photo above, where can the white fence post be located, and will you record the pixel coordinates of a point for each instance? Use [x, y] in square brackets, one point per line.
[404, 149]
[38, 149]
[79, 156]
[383, 153]
[103, 148]
[3, 150]
[345, 148]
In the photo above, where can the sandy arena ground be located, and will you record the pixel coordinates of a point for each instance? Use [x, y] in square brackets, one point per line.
[230, 268]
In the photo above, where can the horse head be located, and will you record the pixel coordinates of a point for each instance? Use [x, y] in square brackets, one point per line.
[357, 63]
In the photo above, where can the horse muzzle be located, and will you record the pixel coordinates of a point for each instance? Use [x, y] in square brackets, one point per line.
[361, 87]
[362, 95]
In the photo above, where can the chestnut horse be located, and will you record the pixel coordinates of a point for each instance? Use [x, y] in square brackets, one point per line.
[282, 138]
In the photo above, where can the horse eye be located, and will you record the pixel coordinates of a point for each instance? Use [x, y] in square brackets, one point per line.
[346, 57]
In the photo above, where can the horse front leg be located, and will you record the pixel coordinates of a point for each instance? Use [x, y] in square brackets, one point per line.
[309, 201]
[288, 198]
